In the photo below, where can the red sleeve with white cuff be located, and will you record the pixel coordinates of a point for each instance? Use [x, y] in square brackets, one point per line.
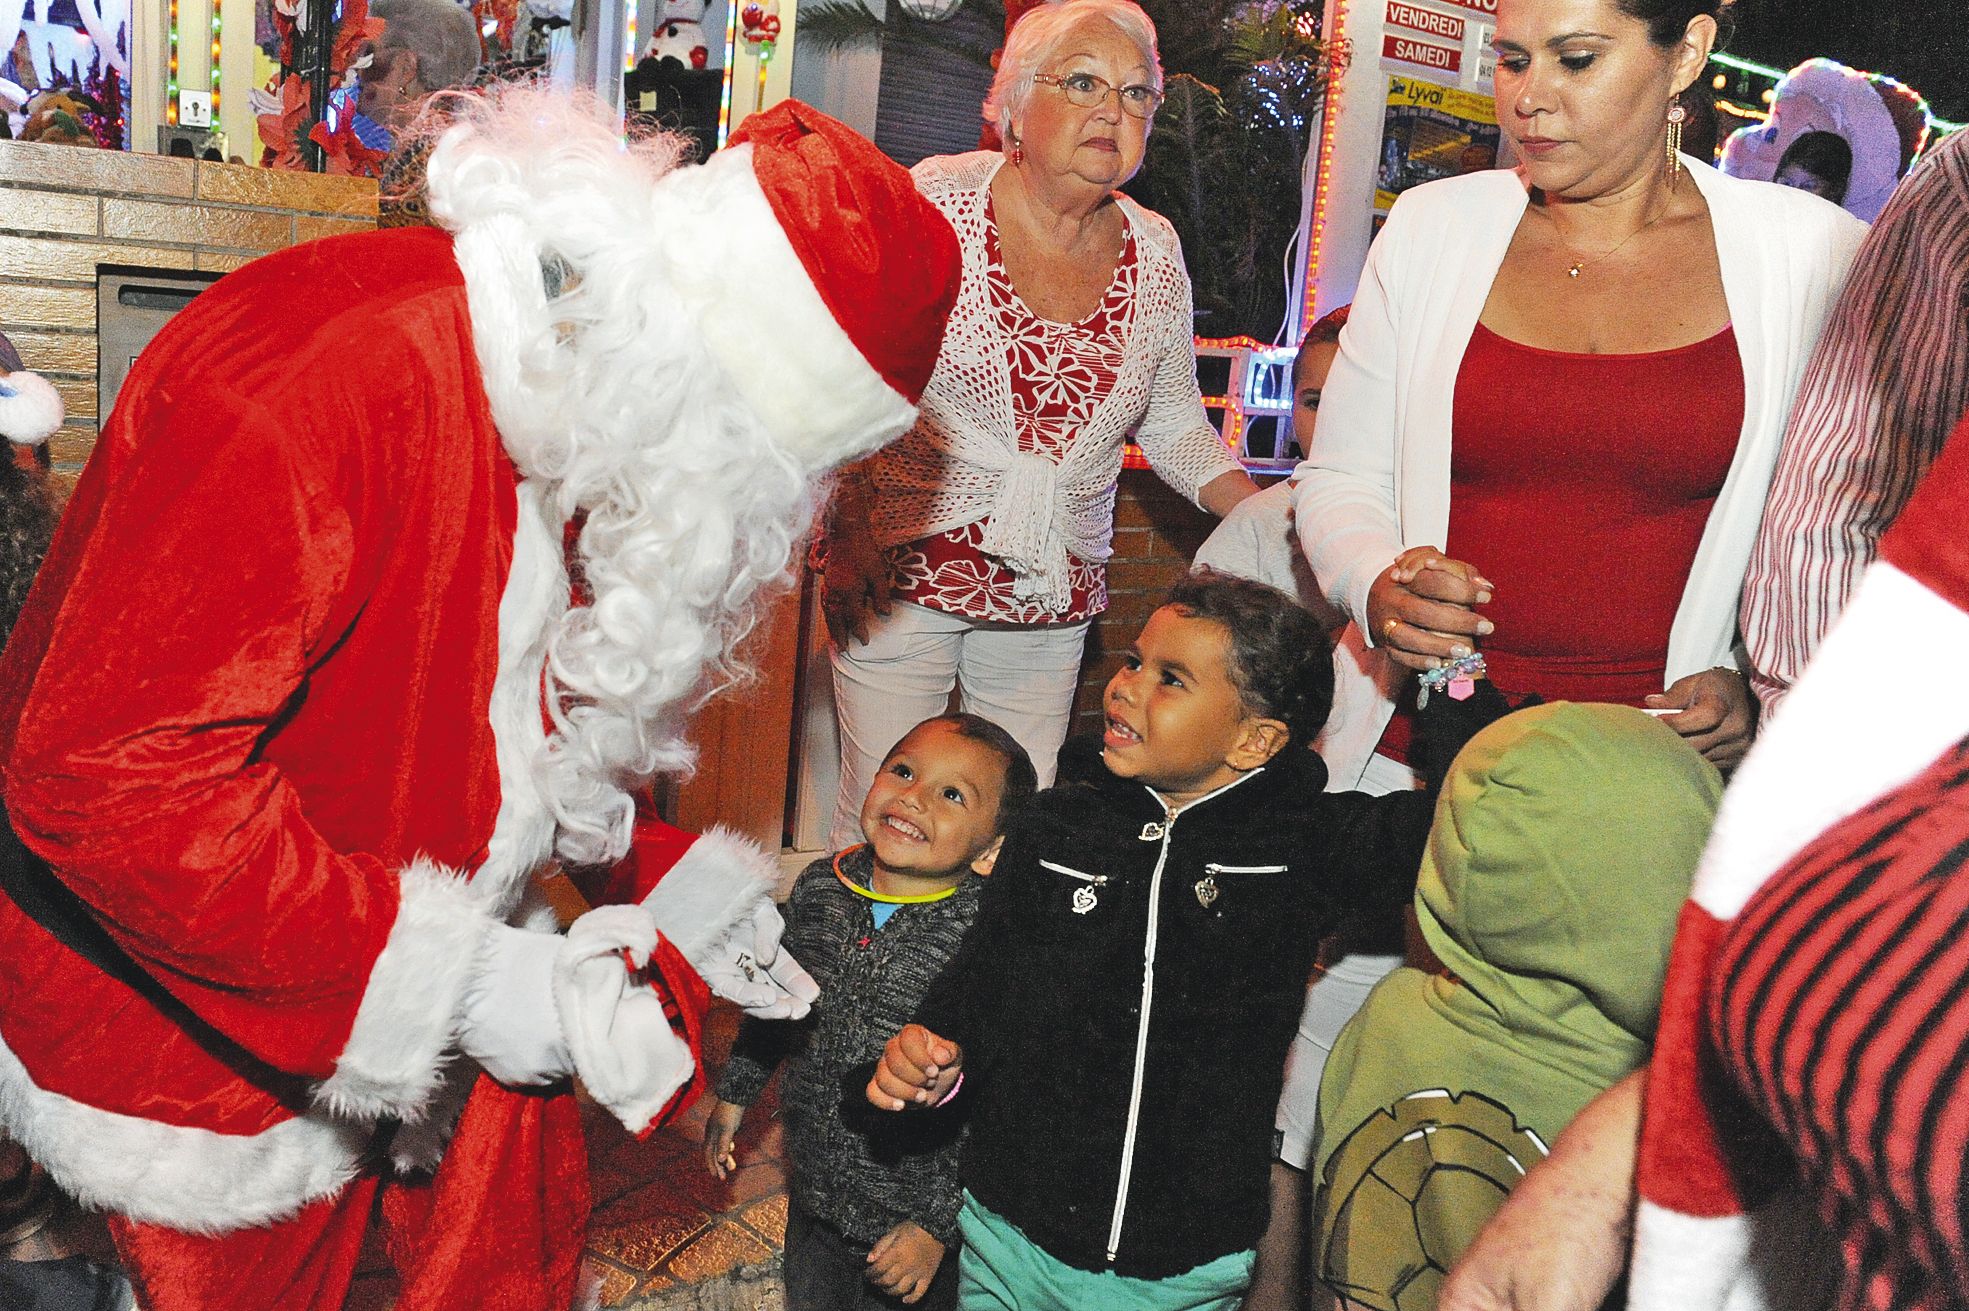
[1873, 711]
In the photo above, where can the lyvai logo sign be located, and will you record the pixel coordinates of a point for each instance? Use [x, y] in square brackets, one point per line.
[1447, 26]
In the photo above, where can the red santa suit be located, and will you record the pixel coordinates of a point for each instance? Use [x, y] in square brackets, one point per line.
[273, 721]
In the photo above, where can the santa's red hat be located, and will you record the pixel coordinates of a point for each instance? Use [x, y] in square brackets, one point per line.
[30, 407]
[837, 279]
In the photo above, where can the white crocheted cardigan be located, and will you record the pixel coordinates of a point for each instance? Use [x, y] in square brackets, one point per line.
[961, 463]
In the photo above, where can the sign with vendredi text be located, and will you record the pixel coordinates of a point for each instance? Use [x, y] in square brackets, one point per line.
[1433, 22]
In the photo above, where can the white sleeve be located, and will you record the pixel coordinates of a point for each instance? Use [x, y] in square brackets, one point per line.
[1345, 505]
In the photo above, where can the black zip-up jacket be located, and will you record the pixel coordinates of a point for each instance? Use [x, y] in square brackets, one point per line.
[1127, 997]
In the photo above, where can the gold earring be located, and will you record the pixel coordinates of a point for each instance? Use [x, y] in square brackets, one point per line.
[1676, 116]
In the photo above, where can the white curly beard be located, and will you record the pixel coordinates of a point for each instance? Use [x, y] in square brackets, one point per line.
[607, 400]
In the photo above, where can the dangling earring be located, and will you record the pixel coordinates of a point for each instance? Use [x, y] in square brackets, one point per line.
[1676, 117]
[1017, 154]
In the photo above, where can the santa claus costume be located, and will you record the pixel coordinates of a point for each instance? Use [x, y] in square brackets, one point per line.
[1815, 1026]
[272, 722]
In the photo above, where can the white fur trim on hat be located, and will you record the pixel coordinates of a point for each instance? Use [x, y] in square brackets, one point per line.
[756, 308]
[30, 408]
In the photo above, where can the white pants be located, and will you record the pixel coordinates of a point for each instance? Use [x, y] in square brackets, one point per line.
[1339, 988]
[1022, 679]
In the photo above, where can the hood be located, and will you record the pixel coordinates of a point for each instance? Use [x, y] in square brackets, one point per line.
[1564, 845]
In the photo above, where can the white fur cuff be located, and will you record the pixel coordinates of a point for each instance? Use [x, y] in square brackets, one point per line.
[407, 1026]
[710, 891]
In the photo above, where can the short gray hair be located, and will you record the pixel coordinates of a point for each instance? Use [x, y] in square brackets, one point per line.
[1037, 35]
[442, 34]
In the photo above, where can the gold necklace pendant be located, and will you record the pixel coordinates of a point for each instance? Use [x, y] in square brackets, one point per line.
[1573, 272]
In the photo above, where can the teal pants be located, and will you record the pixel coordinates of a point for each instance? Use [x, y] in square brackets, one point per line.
[1003, 1270]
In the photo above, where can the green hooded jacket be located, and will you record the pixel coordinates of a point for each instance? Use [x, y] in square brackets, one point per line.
[1564, 844]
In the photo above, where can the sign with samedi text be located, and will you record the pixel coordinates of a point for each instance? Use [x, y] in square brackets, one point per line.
[1428, 54]
[1447, 26]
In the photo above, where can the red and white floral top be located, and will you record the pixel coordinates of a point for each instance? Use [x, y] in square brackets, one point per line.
[1060, 374]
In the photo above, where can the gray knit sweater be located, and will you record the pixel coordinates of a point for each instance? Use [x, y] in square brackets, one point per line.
[860, 1170]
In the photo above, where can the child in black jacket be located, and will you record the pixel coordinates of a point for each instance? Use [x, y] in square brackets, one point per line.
[874, 1201]
[1125, 1002]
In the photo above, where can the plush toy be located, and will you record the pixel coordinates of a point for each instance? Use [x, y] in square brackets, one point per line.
[30, 407]
[679, 34]
[1866, 112]
[55, 118]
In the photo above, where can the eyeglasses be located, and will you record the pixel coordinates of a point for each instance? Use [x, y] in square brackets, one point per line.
[1086, 91]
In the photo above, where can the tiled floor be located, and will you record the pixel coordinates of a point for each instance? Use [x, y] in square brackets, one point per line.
[665, 1233]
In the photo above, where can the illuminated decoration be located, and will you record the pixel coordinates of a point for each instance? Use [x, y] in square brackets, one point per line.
[171, 72]
[215, 61]
[628, 36]
[759, 24]
[1938, 126]
[731, 60]
[1259, 385]
[1340, 52]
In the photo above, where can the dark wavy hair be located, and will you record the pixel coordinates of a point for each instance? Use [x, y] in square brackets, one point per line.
[1021, 779]
[28, 510]
[1826, 156]
[1281, 660]
[1668, 19]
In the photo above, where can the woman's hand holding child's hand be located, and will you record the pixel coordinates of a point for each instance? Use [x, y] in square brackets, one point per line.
[917, 1069]
[1422, 609]
[904, 1262]
[719, 1131]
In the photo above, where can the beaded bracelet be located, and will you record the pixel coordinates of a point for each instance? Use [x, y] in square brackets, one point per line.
[1458, 679]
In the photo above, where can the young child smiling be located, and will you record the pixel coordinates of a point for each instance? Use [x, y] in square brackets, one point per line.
[874, 1201]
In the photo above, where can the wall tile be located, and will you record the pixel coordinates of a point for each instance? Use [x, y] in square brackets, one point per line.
[50, 352]
[55, 259]
[47, 307]
[241, 184]
[48, 211]
[308, 228]
[82, 169]
[203, 225]
[79, 397]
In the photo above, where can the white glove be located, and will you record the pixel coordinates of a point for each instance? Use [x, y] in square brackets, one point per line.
[511, 1025]
[716, 907]
[629, 1058]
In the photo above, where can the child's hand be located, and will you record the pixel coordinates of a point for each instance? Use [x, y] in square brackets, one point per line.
[719, 1131]
[917, 1069]
[904, 1262]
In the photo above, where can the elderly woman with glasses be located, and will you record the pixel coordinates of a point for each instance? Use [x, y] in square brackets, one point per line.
[971, 553]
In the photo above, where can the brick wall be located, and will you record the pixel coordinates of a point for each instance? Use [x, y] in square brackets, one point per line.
[65, 209]
[1156, 533]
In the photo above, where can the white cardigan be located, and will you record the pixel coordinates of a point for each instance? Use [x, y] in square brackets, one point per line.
[1377, 478]
[961, 463]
